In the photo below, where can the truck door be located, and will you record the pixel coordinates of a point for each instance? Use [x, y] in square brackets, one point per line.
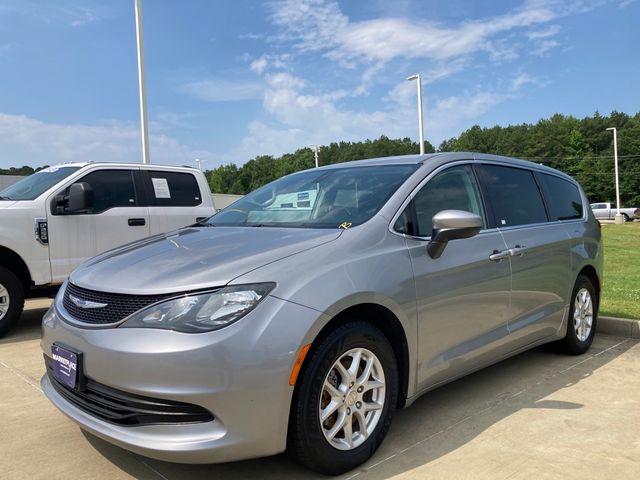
[175, 200]
[114, 218]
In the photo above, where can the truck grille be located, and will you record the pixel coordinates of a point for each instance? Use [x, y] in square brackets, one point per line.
[118, 306]
[127, 409]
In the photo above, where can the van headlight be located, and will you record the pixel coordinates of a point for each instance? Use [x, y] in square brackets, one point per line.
[202, 312]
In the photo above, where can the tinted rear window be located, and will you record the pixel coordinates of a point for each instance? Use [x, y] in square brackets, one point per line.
[513, 195]
[563, 197]
[172, 189]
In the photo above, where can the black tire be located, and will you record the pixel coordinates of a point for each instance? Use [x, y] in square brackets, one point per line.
[307, 442]
[571, 343]
[626, 217]
[15, 293]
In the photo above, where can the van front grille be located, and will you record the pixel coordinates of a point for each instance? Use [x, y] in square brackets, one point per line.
[116, 307]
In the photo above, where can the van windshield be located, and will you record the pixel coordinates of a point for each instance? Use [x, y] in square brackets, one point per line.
[327, 198]
[33, 186]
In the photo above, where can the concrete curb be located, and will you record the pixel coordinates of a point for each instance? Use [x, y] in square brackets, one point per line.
[620, 327]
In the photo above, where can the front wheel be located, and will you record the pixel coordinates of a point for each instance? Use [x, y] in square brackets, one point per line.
[583, 316]
[11, 300]
[343, 405]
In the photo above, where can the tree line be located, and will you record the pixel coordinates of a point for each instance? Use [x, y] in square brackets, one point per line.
[583, 148]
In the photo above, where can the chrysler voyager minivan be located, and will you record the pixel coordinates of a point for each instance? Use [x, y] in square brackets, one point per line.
[300, 317]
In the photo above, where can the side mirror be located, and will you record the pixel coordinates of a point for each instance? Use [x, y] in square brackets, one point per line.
[452, 225]
[80, 198]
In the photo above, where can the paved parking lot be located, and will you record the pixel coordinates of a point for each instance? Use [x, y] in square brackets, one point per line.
[538, 415]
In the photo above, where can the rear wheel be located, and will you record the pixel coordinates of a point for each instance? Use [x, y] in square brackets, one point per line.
[11, 300]
[345, 400]
[583, 316]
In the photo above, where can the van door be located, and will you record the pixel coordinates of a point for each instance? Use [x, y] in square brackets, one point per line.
[539, 252]
[115, 218]
[175, 200]
[463, 296]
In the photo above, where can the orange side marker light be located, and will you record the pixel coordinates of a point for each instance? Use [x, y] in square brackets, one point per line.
[298, 365]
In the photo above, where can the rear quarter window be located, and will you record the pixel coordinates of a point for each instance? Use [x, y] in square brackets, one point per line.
[563, 197]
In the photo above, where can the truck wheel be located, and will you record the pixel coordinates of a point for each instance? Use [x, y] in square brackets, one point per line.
[344, 401]
[11, 300]
[583, 316]
[626, 217]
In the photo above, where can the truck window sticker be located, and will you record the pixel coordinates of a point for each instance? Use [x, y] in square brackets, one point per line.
[161, 187]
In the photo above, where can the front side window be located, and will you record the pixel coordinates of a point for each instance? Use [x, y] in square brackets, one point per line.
[452, 189]
[513, 194]
[563, 197]
[35, 185]
[111, 188]
[325, 198]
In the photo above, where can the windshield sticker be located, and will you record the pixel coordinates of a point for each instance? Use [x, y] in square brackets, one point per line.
[161, 187]
[345, 225]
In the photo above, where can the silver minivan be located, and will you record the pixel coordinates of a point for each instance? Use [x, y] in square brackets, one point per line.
[300, 317]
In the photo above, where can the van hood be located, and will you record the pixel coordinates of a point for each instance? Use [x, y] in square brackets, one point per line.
[194, 258]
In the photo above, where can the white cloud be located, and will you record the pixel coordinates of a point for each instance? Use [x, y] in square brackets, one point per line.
[64, 12]
[259, 65]
[314, 25]
[218, 90]
[545, 33]
[38, 143]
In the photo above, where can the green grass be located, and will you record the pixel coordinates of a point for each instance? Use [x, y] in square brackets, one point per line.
[621, 282]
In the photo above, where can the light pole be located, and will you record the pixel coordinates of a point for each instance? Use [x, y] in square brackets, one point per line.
[199, 162]
[619, 218]
[141, 86]
[420, 125]
[315, 153]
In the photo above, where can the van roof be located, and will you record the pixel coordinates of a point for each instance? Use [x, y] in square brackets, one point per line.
[437, 159]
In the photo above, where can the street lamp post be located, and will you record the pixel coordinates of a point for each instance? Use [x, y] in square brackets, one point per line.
[141, 86]
[420, 116]
[199, 162]
[315, 153]
[619, 219]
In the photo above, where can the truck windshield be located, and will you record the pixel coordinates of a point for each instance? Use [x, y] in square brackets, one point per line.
[326, 198]
[31, 187]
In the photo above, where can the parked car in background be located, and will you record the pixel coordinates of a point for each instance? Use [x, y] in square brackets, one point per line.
[607, 211]
[304, 314]
[55, 219]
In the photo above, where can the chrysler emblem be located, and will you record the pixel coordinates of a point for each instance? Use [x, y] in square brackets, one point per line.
[79, 302]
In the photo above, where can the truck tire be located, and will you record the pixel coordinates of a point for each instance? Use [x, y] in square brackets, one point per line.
[11, 300]
[626, 217]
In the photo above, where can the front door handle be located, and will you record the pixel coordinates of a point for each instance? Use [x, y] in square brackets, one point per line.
[497, 256]
[137, 222]
[517, 251]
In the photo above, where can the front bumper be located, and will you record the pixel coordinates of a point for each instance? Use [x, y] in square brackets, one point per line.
[239, 374]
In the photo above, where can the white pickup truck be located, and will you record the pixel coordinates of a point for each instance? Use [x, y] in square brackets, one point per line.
[607, 211]
[53, 220]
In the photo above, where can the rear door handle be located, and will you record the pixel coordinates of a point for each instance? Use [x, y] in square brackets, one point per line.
[137, 222]
[517, 251]
[496, 256]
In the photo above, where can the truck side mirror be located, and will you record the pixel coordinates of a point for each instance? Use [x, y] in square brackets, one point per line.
[80, 198]
[451, 225]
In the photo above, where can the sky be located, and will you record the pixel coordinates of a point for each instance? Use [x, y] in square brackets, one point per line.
[230, 80]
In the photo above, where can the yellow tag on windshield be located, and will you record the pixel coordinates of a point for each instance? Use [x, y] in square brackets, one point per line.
[345, 225]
